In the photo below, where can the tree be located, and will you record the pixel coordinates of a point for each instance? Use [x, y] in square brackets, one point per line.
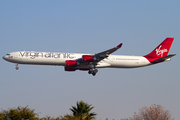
[69, 117]
[154, 112]
[49, 118]
[18, 114]
[82, 111]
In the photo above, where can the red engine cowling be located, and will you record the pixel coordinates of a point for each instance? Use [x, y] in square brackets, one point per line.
[69, 69]
[71, 63]
[88, 58]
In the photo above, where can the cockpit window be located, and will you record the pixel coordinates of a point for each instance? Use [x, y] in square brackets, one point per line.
[8, 54]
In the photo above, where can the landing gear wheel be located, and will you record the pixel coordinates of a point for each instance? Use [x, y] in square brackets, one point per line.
[90, 71]
[94, 72]
[16, 67]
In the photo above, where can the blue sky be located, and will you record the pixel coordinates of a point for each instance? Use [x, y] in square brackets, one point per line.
[89, 27]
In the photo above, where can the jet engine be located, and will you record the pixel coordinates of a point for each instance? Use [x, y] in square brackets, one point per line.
[71, 63]
[89, 58]
[69, 68]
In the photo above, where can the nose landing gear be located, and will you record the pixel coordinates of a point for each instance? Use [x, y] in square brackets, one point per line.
[16, 67]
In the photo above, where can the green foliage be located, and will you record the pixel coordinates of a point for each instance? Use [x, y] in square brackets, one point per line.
[2, 116]
[18, 113]
[49, 118]
[69, 117]
[82, 111]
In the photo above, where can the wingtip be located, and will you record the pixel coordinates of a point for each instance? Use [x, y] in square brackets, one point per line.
[119, 45]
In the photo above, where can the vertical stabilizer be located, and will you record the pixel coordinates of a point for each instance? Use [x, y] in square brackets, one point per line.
[161, 50]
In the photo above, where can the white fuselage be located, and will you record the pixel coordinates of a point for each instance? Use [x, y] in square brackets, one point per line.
[90, 62]
[59, 59]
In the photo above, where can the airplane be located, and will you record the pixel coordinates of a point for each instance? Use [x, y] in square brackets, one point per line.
[90, 62]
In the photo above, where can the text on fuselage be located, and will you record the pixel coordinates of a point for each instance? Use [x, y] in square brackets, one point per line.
[33, 55]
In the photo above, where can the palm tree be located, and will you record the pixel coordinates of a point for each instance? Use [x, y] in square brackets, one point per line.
[82, 111]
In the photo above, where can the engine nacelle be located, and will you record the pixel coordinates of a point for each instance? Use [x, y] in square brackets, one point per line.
[84, 69]
[69, 68]
[71, 63]
[89, 58]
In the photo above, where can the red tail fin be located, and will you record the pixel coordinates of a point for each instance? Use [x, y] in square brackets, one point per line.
[161, 50]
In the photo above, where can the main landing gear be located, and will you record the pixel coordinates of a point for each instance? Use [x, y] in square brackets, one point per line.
[93, 71]
[16, 67]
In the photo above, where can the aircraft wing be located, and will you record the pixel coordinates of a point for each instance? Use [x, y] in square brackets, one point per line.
[94, 59]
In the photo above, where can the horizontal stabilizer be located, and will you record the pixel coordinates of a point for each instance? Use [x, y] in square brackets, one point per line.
[163, 58]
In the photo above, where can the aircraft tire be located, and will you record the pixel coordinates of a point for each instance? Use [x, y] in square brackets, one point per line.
[16, 68]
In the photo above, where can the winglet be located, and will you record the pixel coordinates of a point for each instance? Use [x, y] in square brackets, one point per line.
[119, 45]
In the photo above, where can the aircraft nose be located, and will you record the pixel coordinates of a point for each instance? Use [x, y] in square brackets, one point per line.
[4, 57]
